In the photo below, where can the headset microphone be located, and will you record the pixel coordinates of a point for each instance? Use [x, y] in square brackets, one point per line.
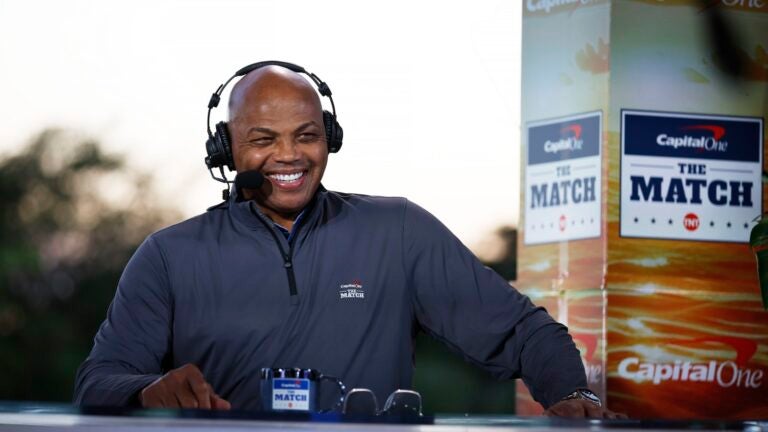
[248, 180]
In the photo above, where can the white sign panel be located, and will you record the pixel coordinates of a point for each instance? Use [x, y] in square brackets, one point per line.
[290, 394]
[563, 179]
[690, 176]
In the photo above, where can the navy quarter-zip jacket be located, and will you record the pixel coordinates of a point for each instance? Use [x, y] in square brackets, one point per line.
[359, 278]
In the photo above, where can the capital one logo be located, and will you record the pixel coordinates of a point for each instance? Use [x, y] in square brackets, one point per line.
[571, 140]
[704, 137]
[725, 374]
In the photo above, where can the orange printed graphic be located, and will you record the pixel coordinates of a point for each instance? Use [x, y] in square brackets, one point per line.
[594, 60]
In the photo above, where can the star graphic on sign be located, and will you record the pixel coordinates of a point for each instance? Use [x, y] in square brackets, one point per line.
[635, 220]
[670, 221]
[745, 225]
[712, 223]
[728, 224]
[653, 220]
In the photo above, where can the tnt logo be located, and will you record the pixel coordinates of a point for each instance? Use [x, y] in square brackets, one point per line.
[691, 222]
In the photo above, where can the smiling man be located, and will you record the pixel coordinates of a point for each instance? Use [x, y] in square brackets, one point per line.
[289, 274]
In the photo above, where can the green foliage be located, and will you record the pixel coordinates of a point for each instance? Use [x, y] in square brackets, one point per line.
[64, 239]
[448, 384]
[506, 265]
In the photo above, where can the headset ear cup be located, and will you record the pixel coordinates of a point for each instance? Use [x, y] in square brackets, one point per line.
[334, 134]
[224, 144]
[210, 149]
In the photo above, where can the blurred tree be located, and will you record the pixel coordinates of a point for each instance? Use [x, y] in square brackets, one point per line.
[446, 382]
[71, 216]
[506, 264]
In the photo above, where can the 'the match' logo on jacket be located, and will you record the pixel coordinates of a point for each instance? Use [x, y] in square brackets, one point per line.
[352, 290]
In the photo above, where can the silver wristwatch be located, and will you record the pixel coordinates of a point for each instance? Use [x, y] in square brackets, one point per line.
[585, 394]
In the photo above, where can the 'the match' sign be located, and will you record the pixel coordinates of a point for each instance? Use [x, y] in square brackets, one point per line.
[291, 394]
[563, 179]
[690, 176]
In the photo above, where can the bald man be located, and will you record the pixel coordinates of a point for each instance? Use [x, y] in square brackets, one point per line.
[293, 275]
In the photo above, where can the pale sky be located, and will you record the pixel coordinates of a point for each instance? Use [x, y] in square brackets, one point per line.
[427, 91]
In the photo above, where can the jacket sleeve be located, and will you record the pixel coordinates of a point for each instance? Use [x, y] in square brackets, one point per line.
[130, 346]
[476, 312]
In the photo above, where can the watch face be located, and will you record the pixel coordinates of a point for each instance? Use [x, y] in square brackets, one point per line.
[590, 396]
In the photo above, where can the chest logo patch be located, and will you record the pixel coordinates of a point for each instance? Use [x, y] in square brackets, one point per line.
[353, 290]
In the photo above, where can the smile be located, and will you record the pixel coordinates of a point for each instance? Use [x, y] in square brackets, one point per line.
[287, 178]
[288, 182]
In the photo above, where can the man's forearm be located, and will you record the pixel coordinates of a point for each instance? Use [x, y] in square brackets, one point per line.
[101, 384]
[552, 366]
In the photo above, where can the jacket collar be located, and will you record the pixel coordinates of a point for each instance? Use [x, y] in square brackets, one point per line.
[248, 214]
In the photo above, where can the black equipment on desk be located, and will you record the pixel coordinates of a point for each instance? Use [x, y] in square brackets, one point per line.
[403, 403]
[360, 402]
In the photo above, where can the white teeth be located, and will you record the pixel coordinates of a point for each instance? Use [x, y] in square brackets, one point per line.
[287, 177]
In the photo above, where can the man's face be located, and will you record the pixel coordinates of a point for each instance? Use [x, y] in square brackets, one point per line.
[281, 134]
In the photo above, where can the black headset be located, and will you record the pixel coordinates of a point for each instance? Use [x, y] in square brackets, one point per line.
[219, 144]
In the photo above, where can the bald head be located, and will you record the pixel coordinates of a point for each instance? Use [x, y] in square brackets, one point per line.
[266, 87]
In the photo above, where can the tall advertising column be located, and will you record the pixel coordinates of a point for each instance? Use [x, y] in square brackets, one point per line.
[653, 274]
[561, 246]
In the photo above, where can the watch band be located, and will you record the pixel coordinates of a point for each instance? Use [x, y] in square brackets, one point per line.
[585, 394]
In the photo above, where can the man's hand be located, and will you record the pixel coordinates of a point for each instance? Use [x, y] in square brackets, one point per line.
[581, 408]
[184, 387]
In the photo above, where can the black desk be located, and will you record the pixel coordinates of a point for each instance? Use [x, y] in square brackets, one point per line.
[26, 417]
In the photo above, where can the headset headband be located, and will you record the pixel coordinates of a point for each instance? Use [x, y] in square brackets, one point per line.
[322, 87]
